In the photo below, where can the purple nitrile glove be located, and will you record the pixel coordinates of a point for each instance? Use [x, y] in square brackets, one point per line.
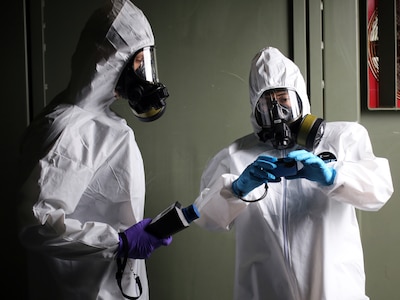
[314, 168]
[141, 243]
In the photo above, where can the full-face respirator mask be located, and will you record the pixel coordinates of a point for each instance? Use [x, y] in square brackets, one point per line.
[279, 113]
[139, 84]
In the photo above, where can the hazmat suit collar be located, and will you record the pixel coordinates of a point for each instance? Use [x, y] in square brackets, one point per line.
[271, 69]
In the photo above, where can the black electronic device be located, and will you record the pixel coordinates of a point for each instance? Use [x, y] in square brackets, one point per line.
[285, 167]
[172, 220]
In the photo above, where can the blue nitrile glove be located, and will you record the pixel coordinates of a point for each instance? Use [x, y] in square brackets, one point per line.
[141, 243]
[314, 168]
[254, 175]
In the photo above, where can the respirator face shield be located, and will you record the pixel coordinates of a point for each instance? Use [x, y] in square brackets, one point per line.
[274, 104]
[139, 84]
[279, 113]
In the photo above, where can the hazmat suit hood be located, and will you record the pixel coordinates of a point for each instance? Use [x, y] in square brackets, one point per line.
[110, 38]
[271, 69]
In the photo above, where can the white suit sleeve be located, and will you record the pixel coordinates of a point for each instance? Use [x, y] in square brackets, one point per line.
[362, 180]
[217, 204]
[80, 193]
[62, 183]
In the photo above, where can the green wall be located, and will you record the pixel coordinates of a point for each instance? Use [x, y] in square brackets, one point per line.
[204, 49]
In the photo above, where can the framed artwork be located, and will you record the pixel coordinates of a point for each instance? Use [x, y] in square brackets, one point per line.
[383, 55]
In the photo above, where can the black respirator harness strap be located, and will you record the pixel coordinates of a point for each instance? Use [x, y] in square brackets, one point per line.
[121, 264]
[256, 200]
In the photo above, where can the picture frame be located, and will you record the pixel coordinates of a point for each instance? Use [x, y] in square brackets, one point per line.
[383, 57]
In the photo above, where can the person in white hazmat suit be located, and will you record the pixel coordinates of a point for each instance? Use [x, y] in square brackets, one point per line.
[82, 175]
[295, 224]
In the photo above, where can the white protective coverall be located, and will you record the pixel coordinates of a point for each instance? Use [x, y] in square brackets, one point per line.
[302, 240]
[82, 171]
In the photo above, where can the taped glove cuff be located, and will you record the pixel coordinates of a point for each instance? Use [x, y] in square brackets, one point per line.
[236, 191]
[123, 248]
[333, 176]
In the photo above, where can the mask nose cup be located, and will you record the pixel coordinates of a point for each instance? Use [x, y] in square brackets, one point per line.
[284, 113]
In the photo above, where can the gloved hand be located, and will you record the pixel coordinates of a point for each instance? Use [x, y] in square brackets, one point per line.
[254, 175]
[314, 168]
[141, 243]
